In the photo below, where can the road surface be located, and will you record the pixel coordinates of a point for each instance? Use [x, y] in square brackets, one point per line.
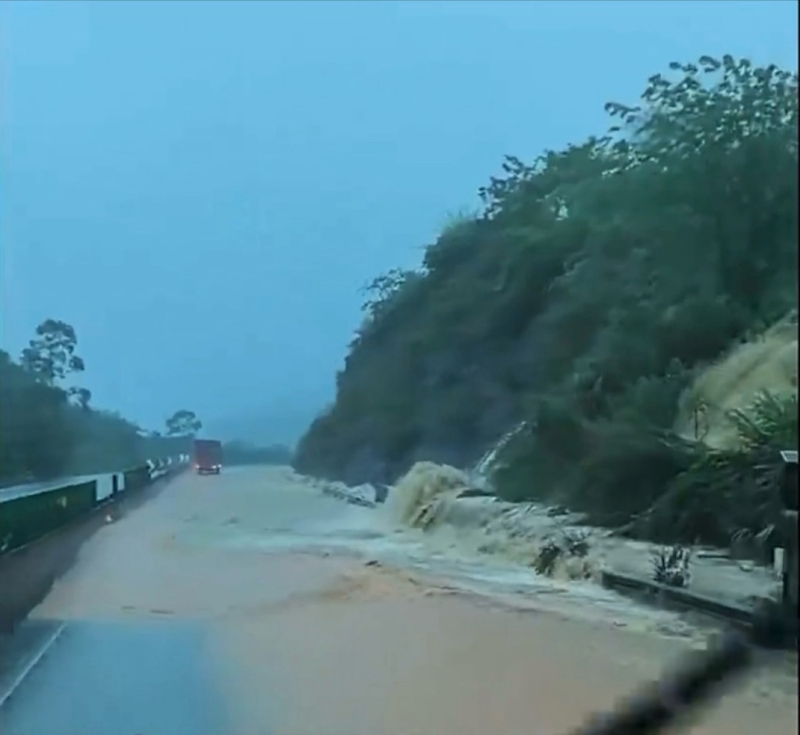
[115, 678]
[250, 604]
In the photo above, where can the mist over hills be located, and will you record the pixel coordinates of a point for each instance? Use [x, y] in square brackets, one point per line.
[279, 422]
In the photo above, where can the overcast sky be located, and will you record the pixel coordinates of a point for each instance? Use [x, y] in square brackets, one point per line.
[202, 188]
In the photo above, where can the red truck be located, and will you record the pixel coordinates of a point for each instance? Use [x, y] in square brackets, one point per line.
[207, 456]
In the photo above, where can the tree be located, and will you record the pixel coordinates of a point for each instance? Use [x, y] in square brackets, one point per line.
[183, 423]
[80, 397]
[381, 290]
[581, 300]
[50, 356]
[725, 134]
[47, 430]
[35, 437]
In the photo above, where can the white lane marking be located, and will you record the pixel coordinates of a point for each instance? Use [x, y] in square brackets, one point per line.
[32, 662]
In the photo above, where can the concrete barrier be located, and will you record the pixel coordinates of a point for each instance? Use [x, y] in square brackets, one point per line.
[104, 488]
[678, 596]
[747, 619]
[29, 570]
[364, 495]
[26, 517]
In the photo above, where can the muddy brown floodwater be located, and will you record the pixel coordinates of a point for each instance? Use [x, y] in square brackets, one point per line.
[309, 642]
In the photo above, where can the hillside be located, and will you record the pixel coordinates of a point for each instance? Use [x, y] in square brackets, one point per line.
[585, 299]
[733, 384]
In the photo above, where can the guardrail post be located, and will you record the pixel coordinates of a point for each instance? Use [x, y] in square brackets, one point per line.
[789, 498]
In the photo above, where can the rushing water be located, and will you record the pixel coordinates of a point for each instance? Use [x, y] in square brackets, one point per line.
[471, 546]
[300, 643]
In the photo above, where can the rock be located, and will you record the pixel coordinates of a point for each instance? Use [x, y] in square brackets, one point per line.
[381, 493]
[474, 492]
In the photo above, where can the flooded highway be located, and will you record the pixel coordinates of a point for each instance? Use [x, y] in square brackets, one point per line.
[251, 604]
[117, 678]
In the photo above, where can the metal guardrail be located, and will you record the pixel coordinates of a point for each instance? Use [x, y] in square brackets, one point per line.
[682, 597]
[790, 574]
[30, 512]
[786, 606]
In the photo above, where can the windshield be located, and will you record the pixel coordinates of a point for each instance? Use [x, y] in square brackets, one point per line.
[392, 368]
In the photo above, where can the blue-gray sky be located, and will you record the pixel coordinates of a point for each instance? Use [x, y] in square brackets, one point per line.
[201, 188]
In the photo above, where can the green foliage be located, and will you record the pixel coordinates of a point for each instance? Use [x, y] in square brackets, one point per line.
[729, 494]
[105, 442]
[183, 423]
[35, 436]
[50, 356]
[581, 299]
[47, 430]
[671, 566]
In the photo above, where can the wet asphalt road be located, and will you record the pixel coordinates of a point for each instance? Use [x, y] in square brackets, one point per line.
[116, 678]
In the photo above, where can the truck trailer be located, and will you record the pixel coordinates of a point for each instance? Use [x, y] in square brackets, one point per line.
[207, 456]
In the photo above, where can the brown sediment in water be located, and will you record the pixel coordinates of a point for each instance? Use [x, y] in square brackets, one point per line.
[326, 645]
[364, 658]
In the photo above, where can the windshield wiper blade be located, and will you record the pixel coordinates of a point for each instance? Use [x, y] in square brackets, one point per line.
[699, 681]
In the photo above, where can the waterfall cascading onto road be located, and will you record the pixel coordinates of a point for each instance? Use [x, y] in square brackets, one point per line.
[428, 525]
[421, 496]
[480, 476]
[426, 498]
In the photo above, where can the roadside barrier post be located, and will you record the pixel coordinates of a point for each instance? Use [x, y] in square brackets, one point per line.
[789, 498]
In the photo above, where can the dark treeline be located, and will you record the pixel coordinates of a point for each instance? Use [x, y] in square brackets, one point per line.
[246, 453]
[49, 429]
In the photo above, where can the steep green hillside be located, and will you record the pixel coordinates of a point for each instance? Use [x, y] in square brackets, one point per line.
[581, 299]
